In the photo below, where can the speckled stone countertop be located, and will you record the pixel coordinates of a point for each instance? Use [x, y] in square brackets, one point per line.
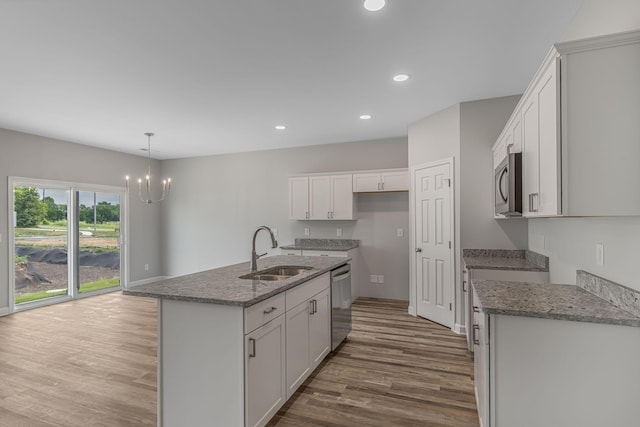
[223, 285]
[548, 301]
[502, 259]
[323, 244]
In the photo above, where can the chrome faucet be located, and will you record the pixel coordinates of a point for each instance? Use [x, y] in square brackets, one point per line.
[254, 255]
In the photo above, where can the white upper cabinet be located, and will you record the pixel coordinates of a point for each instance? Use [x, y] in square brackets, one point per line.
[299, 197]
[578, 129]
[373, 182]
[326, 197]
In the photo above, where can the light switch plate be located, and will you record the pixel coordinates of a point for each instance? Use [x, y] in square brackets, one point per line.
[380, 278]
[306, 231]
[400, 232]
[373, 278]
[338, 232]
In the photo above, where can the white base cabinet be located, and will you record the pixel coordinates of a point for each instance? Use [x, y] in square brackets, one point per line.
[226, 366]
[532, 372]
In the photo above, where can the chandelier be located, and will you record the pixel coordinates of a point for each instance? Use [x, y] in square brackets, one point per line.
[166, 183]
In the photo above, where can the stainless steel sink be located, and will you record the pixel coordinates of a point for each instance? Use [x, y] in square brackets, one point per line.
[280, 272]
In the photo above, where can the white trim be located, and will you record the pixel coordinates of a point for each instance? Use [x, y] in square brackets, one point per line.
[459, 329]
[413, 288]
[4, 311]
[412, 310]
[146, 281]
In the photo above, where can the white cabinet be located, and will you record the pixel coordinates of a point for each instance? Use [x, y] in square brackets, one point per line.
[527, 373]
[265, 387]
[308, 330]
[577, 125]
[373, 182]
[321, 197]
[299, 197]
[541, 145]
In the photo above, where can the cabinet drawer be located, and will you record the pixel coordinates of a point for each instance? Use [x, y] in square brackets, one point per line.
[262, 312]
[305, 291]
[337, 254]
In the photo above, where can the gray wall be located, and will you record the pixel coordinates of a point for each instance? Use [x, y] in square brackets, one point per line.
[467, 132]
[32, 156]
[570, 243]
[219, 201]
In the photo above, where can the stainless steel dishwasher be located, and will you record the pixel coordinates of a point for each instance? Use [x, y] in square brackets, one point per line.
[340, 304]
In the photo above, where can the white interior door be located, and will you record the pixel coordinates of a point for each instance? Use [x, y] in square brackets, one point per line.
[433, 242]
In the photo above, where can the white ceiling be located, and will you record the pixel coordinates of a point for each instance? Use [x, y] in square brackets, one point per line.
[216, 76]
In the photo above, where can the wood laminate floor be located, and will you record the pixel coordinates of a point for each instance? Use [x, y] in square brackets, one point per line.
[92, 362]
[394, 370]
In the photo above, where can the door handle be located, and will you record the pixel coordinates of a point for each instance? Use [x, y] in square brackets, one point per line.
[252, 347]
[476, 328]
[418, 249]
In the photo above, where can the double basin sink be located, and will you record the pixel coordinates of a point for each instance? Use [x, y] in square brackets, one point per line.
[280, 272]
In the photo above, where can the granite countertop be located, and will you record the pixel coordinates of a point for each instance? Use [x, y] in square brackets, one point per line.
[500, 259]
[223, 286]
[323, 244]
[548, 301]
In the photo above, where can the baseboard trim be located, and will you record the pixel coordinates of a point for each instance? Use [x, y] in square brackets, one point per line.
[412, 311]
[4, 311]
[459, 329]
[145, 281]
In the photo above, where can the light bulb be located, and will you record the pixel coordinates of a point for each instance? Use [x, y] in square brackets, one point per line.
[374, 5]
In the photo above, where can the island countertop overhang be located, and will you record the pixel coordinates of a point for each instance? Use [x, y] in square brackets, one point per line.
[224, 287]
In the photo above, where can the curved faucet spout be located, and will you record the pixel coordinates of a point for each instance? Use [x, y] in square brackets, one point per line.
[254, 255]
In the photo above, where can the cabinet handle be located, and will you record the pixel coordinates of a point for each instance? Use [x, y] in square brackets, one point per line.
[418, 250]
[328, 215]
[535, 197]
[378, 186]
[311, 307]
[315, 306]
[307, 215]
[464, 286]
[324, 254]
[270, 310]
[476, 309]
[331, 214]
[476, 328]
[382, 185]
[252, 347]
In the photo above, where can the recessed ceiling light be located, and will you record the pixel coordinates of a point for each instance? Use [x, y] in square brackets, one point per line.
[280, 127]
[374, 5]
[401, 77]
[365, 116]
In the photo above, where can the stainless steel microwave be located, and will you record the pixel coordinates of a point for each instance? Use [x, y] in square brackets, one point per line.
[508, 186]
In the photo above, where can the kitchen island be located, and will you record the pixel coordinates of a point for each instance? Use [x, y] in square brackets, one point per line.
[231, 351]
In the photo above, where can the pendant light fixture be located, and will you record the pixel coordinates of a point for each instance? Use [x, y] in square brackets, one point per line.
[166, 183]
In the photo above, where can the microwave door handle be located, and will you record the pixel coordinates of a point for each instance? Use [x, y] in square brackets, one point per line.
[502, 174]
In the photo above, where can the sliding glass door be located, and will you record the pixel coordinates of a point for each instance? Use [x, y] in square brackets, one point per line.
[98, 237]
[66, 240]
[41, 242]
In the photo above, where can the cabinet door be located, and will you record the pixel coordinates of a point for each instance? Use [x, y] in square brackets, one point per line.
[481, 363]
[319, 197]
[395, 181]
[366, 182]
[530, 148]
[298, 367]
[341, 197]
[499, 152]
[548, 202]
[299, 198]
[319, 328]
[265, 389]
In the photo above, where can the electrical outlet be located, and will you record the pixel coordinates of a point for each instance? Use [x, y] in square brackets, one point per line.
[146, 267]
[400, 232]
[306, 231]
[338, 232]
[373, 278]
[600, 254]
[380, 278]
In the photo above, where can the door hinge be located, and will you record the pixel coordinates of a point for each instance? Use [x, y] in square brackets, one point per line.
[449, 244]
[450, 307]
